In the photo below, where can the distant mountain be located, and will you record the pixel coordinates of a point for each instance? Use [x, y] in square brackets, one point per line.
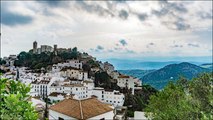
[155, 63]
[136, 73]
[143, 65]
[161, 77]
[207, 65]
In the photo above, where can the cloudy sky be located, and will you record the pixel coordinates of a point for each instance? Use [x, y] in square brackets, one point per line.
[110, 29]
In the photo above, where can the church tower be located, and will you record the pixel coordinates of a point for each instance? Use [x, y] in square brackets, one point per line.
[34, 47]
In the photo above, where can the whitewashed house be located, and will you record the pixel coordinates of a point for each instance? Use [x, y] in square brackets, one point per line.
[56, 96]
[87, 109]
[137, 81]
[74, 73]
[69, 63]
[40, 87]
[76, 89]
[126, 81]
[112, 97]
[89, 84]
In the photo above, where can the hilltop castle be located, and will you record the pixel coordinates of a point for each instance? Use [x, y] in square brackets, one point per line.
[43, 48]
[47, 48]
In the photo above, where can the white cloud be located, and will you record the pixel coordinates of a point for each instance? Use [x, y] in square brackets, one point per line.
[82, 25]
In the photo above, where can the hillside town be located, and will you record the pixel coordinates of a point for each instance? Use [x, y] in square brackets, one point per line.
[67, 91]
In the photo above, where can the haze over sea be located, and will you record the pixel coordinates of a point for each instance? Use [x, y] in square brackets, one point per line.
[154, 62]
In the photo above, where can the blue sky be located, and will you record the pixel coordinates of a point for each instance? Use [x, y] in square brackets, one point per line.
[111, 29]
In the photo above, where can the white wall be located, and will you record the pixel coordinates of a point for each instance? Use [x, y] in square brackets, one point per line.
[139, 115]
[56, 98]
[109, 97]
[130, 83]
[55, 115]
[107, 116]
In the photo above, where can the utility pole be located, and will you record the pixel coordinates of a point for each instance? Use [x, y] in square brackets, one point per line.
[17, 74]
[45, 100]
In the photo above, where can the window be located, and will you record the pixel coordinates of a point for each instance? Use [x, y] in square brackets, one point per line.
[59, 118]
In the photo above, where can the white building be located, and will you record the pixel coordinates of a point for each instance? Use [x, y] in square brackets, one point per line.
[123, 81]
[10, 60]
[112, 97]
[90, 86]
[69, 63]
[79, 90]
[137, 81]
[87, 109]
[56, 96]
[74, 73]
[10, 75]
[40, 88]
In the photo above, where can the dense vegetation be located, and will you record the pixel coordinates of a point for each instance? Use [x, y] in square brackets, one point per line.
[37, 61]
[183, 100]
[2, 61]
[102, 79]
[139, 100]
[14, 101]
[160, 78]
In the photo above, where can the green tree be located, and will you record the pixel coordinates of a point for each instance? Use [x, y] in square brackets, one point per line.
[139, 100]
[102, 79]
[75, 49]
[183, 100]
[14, 102]
[2, 61]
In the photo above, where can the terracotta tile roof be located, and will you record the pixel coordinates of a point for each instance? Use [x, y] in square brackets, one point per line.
[73, 79]
[81, 109]
[72, 85]
[44, 82]
[123, 76]
[41, 82]
[86, 81]
[66, 80]
[69, 68]
[55, 94]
